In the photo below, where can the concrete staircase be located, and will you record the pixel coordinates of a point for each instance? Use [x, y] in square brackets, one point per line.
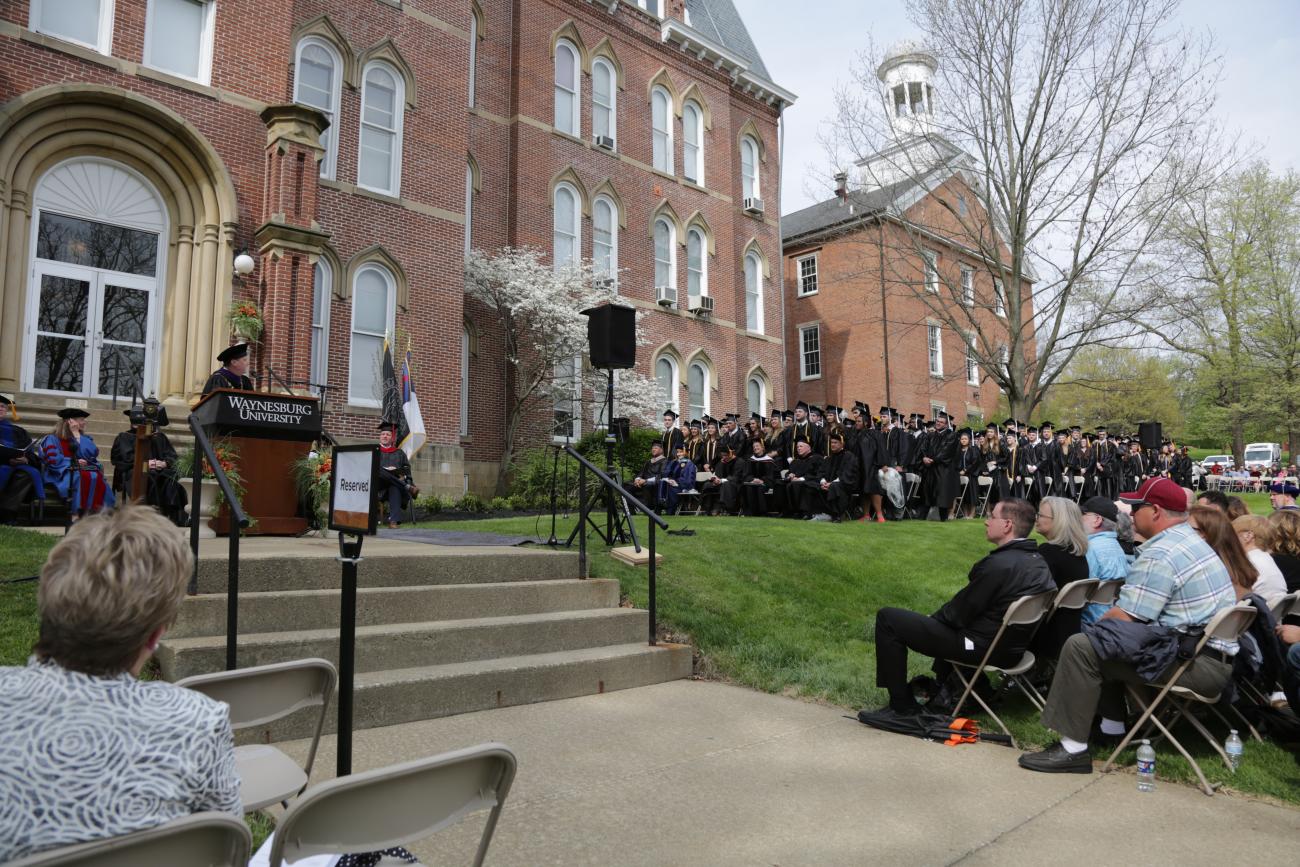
[440, 631]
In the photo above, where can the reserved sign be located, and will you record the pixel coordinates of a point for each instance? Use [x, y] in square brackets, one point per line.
[353, 492]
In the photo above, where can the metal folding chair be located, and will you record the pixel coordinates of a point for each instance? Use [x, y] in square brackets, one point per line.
[1287, 606]
[986, 491]
[913, 485]
[200, 840]
[1106, 592]
[1078, 487]
[1071, 597]
[955, 507]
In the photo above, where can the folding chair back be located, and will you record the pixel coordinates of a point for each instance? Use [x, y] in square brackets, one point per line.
[259, 696]
[199, 840]
[1106, 592]
[1026, 611]
[396, 805]
[986, 491]
[1076, 594]
[1229, 624]
[1287, 606]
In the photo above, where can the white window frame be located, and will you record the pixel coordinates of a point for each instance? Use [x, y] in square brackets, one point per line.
[934, 347]
[573, 368]
[693, 166]
[469, 208]
[704, 395]
[574, 88]
[607, 68]
[967, 286]
[473, 59]
[799, 275]
[666, 135]
[391, 314]
[611, 270]
[576, 257]
[323, 274]
[646, 6]
[204, 47]
[674, 387]
[399, 112]
[972, 363]
[329, 163]
[672, 251]
[103, 36]
[753, 182]
[930, 265]
[695, 233]
[464, 380]
[754, 265]
[762, 395]
[804, 352]
[999, 297]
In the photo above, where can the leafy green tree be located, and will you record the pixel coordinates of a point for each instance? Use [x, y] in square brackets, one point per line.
[1118, 388]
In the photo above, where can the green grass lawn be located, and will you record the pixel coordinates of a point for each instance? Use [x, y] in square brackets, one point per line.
[24, 553]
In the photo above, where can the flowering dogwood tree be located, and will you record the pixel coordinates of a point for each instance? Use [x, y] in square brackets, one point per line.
[538, 307]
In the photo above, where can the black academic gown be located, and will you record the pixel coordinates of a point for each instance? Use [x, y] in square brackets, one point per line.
[162, 489]
[798, 432]
[939, 479]
[840, 469]
[723, 488]
[649, 474]
[760, 476]
[872, 456]
[805, 497]
[393, 481]
[226, 378]
[670, 439]
[969, 466]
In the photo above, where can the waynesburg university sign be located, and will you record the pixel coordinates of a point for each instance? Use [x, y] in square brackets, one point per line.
[270, 416]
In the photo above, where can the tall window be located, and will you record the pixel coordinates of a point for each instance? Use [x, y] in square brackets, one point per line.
[464, 381]
[86, 22]
[967, 286]
[931, 263]
[697, 387]
[604, 241]
[755, 393]
[316, 83]
[807, 274]
[1004, 363]
[999, 298]
[651, 6]
[810, 352]
[604, 85]
[374, 296]
[749, 168]
[469, 208]
[697, 274]
[753, 293]
[693, 143]
[666, 376]
[972, 363]
[934, 339]
[379, 157]
[568, 398]
[665, 253]
[473, 58]
[178, 37]
[566, 243]
[661, 124]
[566, 87]
[322, 286]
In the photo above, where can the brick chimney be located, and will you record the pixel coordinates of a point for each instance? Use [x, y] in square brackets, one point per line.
[842, 186]
[675, 9]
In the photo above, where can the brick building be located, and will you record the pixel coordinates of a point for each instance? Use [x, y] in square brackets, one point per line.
[356, 150]
[887, 298]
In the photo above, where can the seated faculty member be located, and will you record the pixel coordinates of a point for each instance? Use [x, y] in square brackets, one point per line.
[965, 626]
[395, 485]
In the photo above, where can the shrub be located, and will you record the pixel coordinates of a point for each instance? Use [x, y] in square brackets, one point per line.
[431, 504]
[531, 482]
[471, 503]
[499, 504]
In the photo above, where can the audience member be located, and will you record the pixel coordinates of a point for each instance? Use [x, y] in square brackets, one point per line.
[1256, 537]
[1286, 546]
[1126, 535]
[1106, 559]
[1236, 508]
[1217, 499]
[87, 751]
[1060, 523]
[1282, 494]
[1216, 529]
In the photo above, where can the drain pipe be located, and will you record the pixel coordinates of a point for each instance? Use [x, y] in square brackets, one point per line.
[780, 238]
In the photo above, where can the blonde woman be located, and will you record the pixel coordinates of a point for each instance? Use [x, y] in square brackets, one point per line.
[1065, 548]
[1256, 536]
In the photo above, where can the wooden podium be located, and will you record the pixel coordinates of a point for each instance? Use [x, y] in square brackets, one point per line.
[271, 431]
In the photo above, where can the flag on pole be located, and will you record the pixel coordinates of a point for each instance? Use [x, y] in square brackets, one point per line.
[414, 437]
[392, 412]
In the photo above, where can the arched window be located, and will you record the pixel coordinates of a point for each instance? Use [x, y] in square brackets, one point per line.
[473, 57]
[756, 395]
[665, 253]
[566, 87]
[604, 241]
[697, 273]
[322, 287]
[469, 208]
[666, 376]
[693, 143]
[316, 79]
[749, 168]
[566, 242]
[374, 297]
[661, 123]
[753, 293]
[697, 387]
[604, 114]
[464, 381]
[379, 159]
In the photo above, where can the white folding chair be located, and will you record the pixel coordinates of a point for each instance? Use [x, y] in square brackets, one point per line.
[986, 491]
[199, 840]
[1287, 606]
[957, 501]
[913, 485]
[1078, 487]
[1106, 592]
[261, 695]
[1027, 612]
[1071, 597]
[1227, 625]
[396, 805]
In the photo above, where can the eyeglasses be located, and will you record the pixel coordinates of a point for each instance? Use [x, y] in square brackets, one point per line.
[1047, 515]
[1140, 506]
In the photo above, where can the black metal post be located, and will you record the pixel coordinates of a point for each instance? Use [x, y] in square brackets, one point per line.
[232, 594]
[609, 454]
[196, 510]
[651, 548]
[349, 556]
[582, 520]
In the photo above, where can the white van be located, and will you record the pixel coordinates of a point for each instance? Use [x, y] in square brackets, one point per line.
[1262, 455]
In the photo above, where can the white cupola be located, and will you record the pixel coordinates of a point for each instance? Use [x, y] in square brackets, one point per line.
[907, 74]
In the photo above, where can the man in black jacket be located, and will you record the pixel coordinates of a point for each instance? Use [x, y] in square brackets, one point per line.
[966, 624]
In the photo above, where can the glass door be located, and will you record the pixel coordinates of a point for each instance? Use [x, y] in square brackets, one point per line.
[63, 304]
[119, 348]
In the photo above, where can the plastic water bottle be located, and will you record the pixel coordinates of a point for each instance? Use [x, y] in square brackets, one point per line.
[1146, 767]
[1234, 748]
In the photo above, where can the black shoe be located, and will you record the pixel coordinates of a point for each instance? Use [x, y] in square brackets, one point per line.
[1057, 760]
[888, 713]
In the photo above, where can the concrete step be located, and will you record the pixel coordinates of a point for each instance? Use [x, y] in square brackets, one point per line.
[410, 645]
[317, 569]
[319, 609]
[384, 698]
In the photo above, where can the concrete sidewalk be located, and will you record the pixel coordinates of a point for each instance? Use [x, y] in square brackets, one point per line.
[703, 773]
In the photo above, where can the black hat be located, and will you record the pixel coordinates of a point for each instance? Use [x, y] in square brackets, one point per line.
[152, 410]
[801, 405]
[993, 426]
[1010, 422]
[1101, 429]
[884, 410]
[1100, 506]
[753, 416]
[1045, 425]
[695, 422]
[787, 415]
[230, 353]
[813, 408]
[5, 399]
[836, 435]
[387, 425]
[1076, 429]
[73, 412]
[671, 413]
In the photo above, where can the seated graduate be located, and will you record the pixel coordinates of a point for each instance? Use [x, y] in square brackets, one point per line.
[395, 485]
[20, 471]
[761, 474]
[72, 465]
[678, 477]
[839, 478]
[233, 372]
[646, 483]
[161, 487]
[722, 493]
[966, 624]
[803, 482]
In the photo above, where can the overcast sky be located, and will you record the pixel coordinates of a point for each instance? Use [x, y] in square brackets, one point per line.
[810, 51]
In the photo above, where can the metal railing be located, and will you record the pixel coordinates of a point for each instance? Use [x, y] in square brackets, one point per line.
[614, 488]
[238, 520]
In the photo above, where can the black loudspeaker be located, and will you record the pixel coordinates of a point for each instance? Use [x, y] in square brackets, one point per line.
[611, 336]
[1151, 435]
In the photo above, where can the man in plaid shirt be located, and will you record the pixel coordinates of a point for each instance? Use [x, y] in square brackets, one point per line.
[1178, 582]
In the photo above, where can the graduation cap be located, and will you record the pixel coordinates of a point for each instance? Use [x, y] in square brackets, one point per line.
[991, 426]
[788, 415]
[150, 411]
[386, 425]
[929, 423]
[884, 411]
[836, 435]
[669, 412]
[966, 432]
[801, 405]
[814, 410]
[695, 423]
[73, 412]
[1044, 425]
[1009, 422]
[231, 353]
[1076, 429]
[753, 416]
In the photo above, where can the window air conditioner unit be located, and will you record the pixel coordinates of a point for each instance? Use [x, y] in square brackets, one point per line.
[753, 206]
[666, 296]
[604, 142]
[702, 306]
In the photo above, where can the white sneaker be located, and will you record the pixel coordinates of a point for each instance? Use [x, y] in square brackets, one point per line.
[821, 517]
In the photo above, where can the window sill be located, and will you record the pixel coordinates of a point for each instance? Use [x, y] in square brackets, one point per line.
[809, 378]
[354, 409]
[170, 77]
[466, 440]
[663, 174]
[806, 294]
[690, 184]
[569, 136]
